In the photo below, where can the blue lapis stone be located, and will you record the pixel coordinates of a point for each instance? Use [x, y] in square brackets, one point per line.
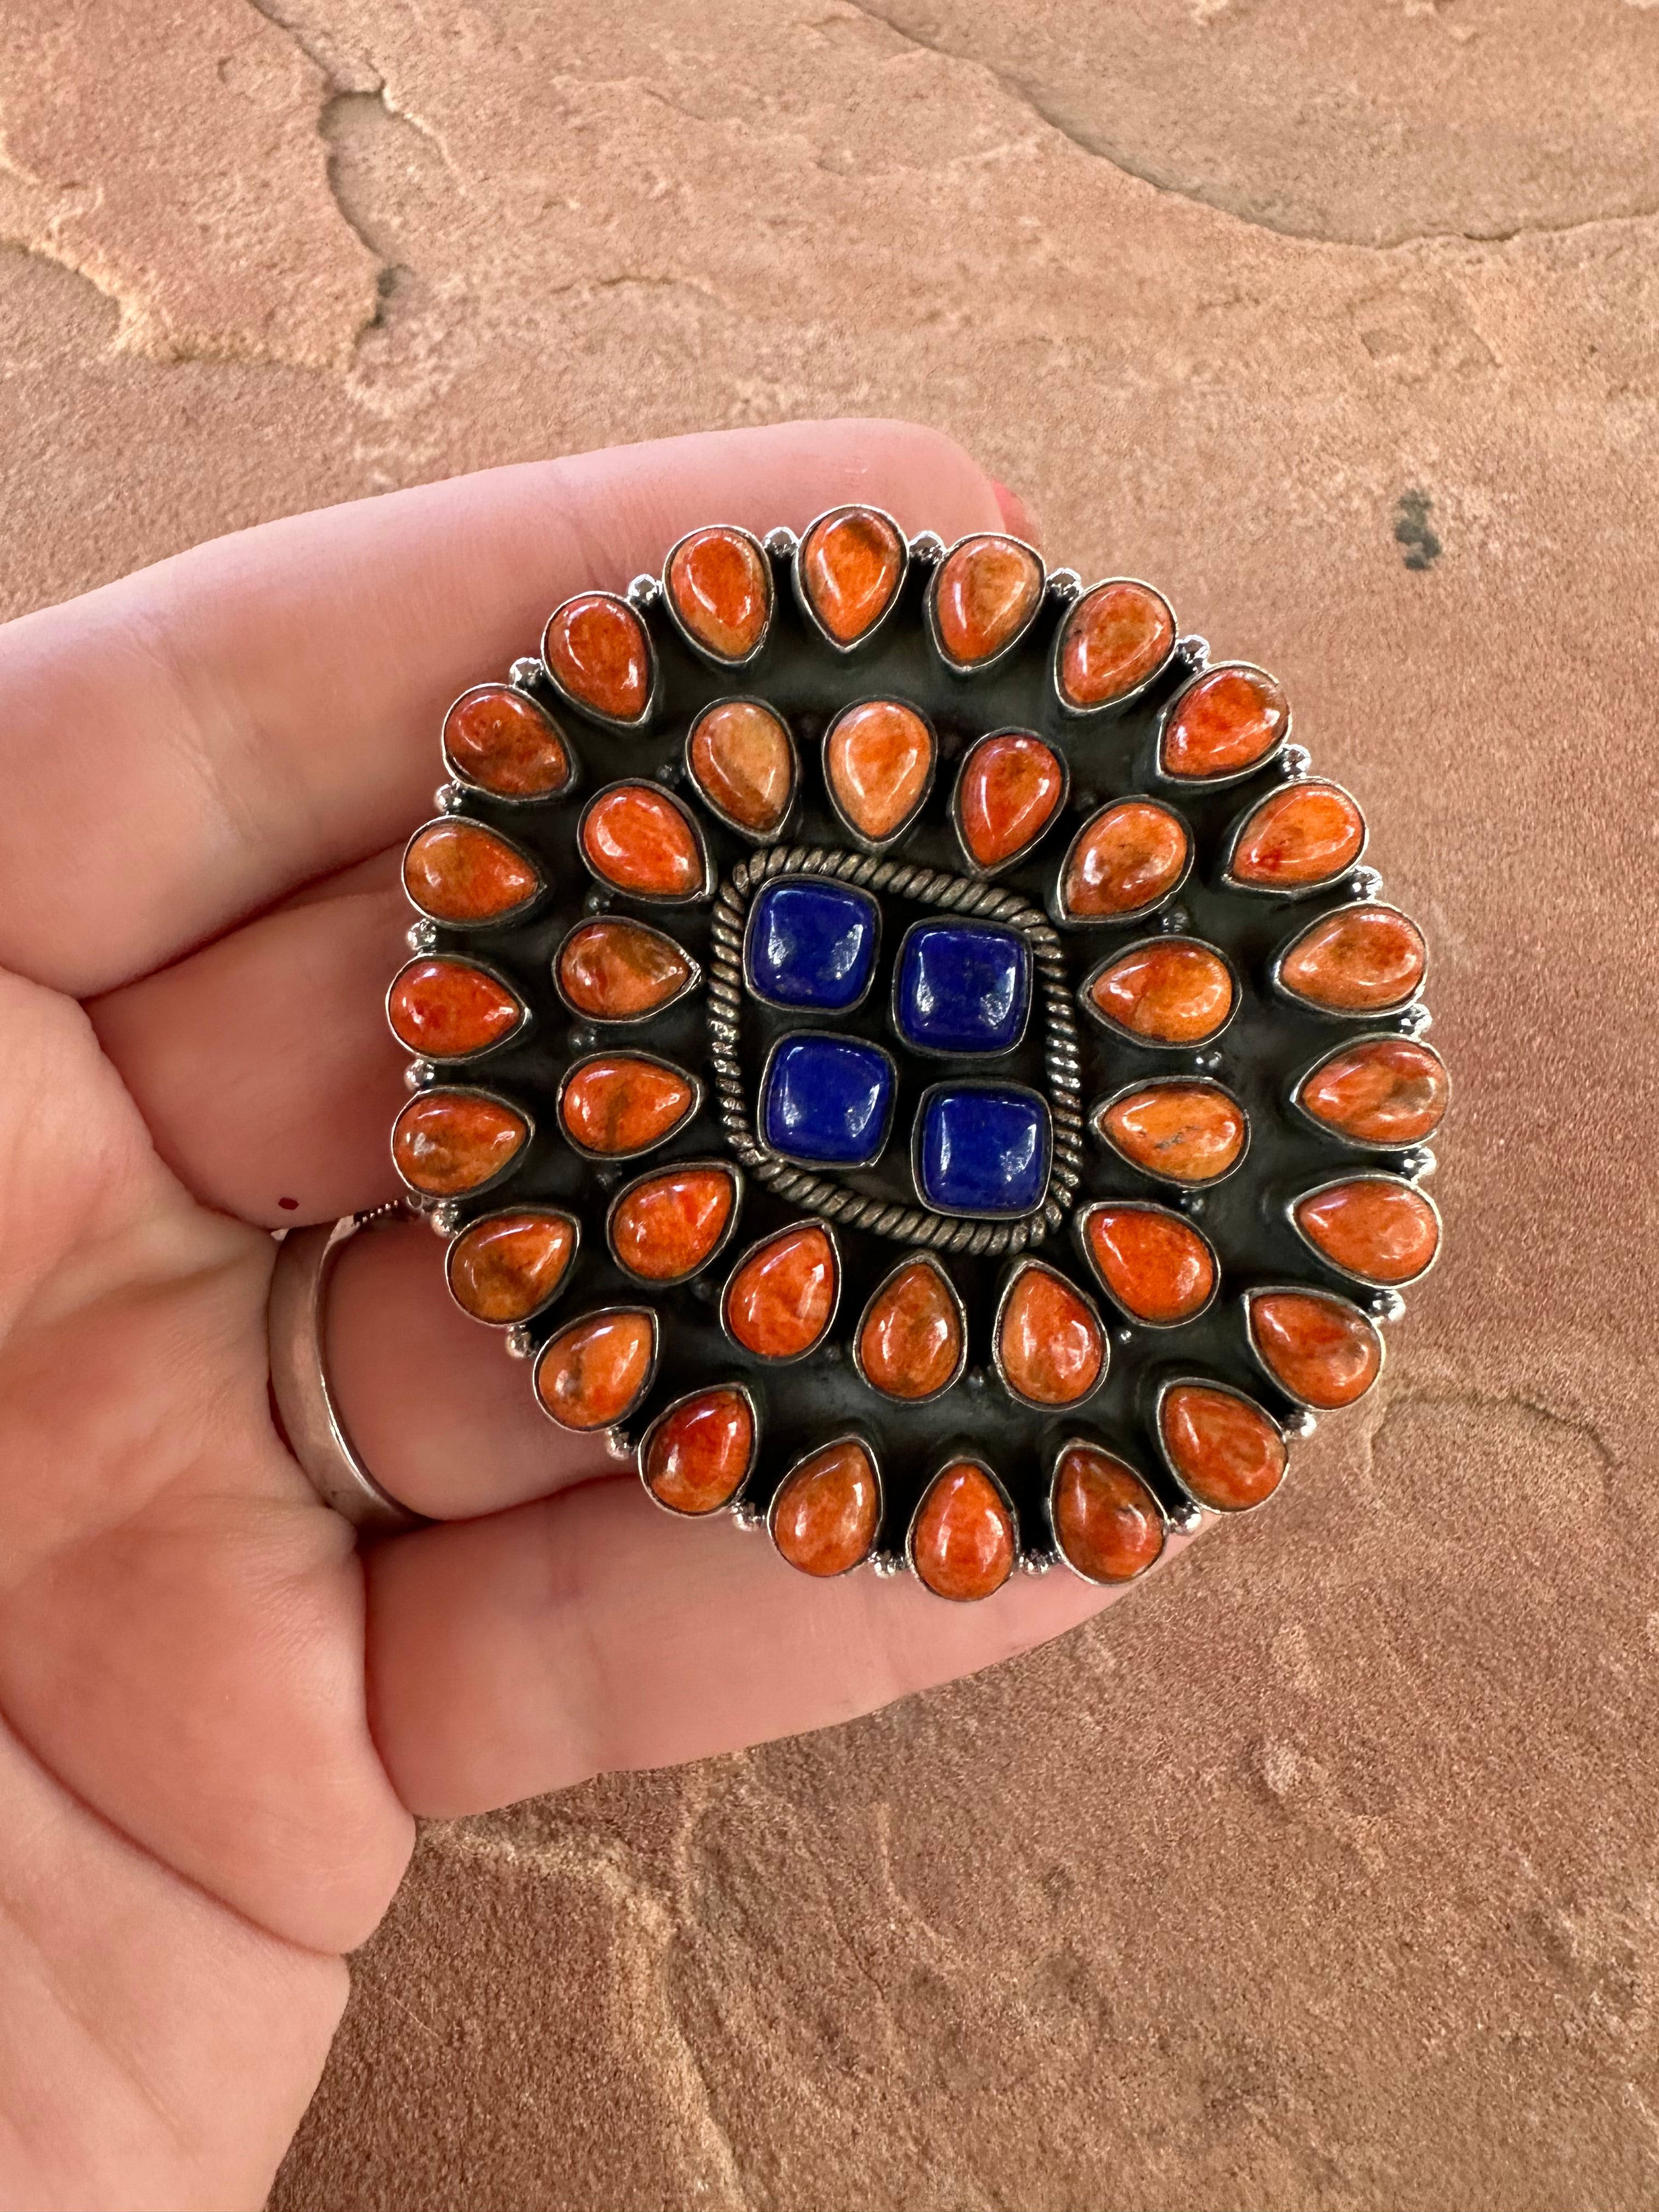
[812, 945]
[962, 986]
[827, 1101]
[982, 1148]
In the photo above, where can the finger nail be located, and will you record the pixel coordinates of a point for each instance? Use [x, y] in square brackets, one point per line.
[1018, 519]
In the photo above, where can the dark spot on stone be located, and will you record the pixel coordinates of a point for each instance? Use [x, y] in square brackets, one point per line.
[1411, 529]
[288, 1205]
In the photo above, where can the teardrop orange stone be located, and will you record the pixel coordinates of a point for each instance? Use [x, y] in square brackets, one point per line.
[613, 969]
[1051, 1348]
[1386, 1090]
[696, 1456]
[910, 1338]
[1157, 1266]
[448, 1142]
[824, 1517]
[721, 590]
[780, 1301]
[1374, 1226]
[641, 840]
[961, 1543]
[1124, 860]
[1188, 1133]
[501, 741]
[1321, 1349]
[1227, 1452]
[1106, 1520]
[986, 592]
[1360, 960]
[663, 1227]
[509, 1266]
[850, 566]
[1008, 793]
[458, 872]
[877, 760]
[1302, 834]
[596, 649]
[594, 1371]
[620, 1104]
[742, 761]
[444, 1009]
[1171, 990]
[1117, 638]
[1224, 723]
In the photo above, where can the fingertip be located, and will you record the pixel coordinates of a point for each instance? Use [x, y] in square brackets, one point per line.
[1016, 517]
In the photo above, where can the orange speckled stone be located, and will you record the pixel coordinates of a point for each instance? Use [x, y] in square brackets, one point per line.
[825, 1515]
[1224, 724]
[1124, 860]
[1106, 1520]
[1386, 1090]
[619, 1104]
[877, 760]
[722, 589]
[502, 742]
[1321, 1349]
[910, 1341]
[1051, 1347]
[696, 1456]
[446, 1142]
[596, 649]
[1117, 638]
[665, 1227]
[1171, 990]
[780, 1301]
[506, 1267]
[1008, 793]
[1225, 1451]
[1157, 1266]
[962, 1541]
[457, 872]
[986, 592]
[1374, 1226]
[742, 761]
[448, 1008]
[850, 566]
[594, 1371]
[1188, 1133]
[1360, 960]
[1305, 833]
[613, 969]
[641, 840]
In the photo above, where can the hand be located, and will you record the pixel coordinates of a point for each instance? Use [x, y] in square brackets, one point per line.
[219, 1718]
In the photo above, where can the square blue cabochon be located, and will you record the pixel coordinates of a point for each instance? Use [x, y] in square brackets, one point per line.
[827, 1101]
[983, 1148]
[962, 987]
[812, 945]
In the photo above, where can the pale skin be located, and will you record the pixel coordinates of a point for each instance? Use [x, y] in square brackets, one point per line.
[218, 1718]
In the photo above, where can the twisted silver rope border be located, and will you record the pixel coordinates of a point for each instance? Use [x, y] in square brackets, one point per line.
[950, 894]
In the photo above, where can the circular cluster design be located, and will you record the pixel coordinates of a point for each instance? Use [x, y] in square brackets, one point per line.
[906, 1045]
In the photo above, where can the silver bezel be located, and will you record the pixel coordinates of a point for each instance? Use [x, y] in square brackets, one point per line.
[705, 889]
[971, 1213]
[705, 1165]
[1012, 1279]
[942, 1465]
[1348, 1013]
[1340, 1181]
[867, 844]
[1061, 914]
[622, 1021]
[912, 1259]
[441, 1059]
[930, 602]
[799, 1159]
[581, 1320]
[1113, 1028]
[1093, 1444]
[1247, 1302]
[702, 1390]
[748, 1252]
[1196, 1382]
[853, 1435]
[1171, 706]
[783, 1005]
[636, 614]
[424, 1096]
[627, 1051]
[978, 924]
[1108, 707]
[803, 598]
[1102, 1106]
[1235, 830]
[974, 868]
[502, 1214]
[525, 698]
[707, 652]
[1373, 1144]
[730, 820]
[484, 922]
[1084, 1214]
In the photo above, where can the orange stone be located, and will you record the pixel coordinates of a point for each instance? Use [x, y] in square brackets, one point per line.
[850, 567]
[1228, 1455]
[639, 840]
[1374, 1227]
[825, 1515]
[1224, 723]
[1106, 1520]
[1124, 860]
[986, 592]
[621, 1104]
[446, 1009]
[1191, 1133]
[1360, 960]
[878, 760]
[498, 739]
[459, 872]
[781, 1299]
[696, 1455]
[1385, 1091]
[910, 1341]
[962, 1541]
[1009, 791]
[666, 1225]
[721, 587]
[1319, 1348]
[1171, 990]
[595, 1371]
[1155, 1265]
[616, 970]
[742, 761]
[1116, 639]
[1302, 834]
[596, 650]
[509, 1266]
[1051, 1347]
[446, 1142]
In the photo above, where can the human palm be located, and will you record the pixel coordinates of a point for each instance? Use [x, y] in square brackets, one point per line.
[219, 1718]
